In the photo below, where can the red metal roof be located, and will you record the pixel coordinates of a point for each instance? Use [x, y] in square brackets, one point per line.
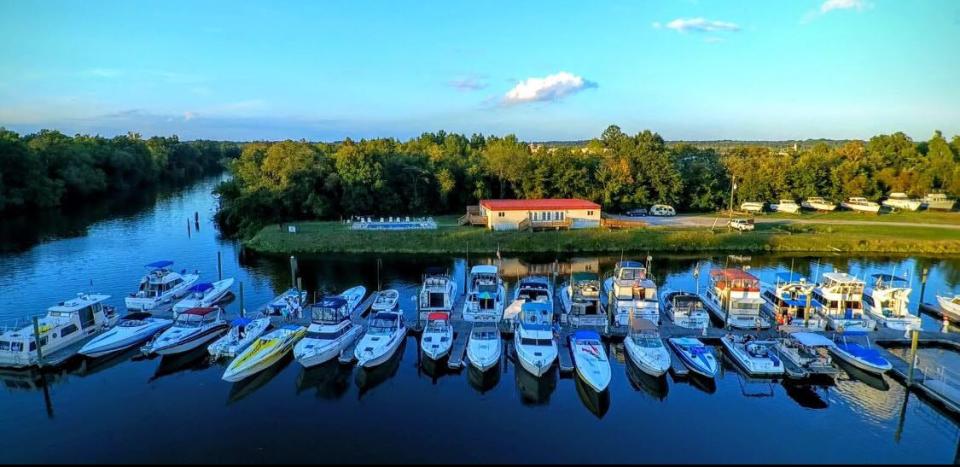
[199, 311]
[537, 204]
[737, 279]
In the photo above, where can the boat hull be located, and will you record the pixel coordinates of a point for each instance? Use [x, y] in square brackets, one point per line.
[753, 365]
[253, 366]
[191, 342]
[103, 345]
[230, 346]
[379, 355]
[695, 365]
[324, 351]
[484, 359]
[858, 363]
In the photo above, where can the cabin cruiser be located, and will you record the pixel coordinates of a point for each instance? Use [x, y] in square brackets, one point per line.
[533, 339]
[786, 205]
[132, 329]
[384, 335]
[242, 333]
[66, 323]
[160, 287]
[437, 293]
[809, 352]
[862, 356]
[886, 301]
[288, 304]
[734, 298]
[204, 294]
[861, 204]
[529, 289]
[816, 203]
[696, 356]
[752, 206]
[484, 346]
[685, 309]
[386, 300]
[950, 306]
[645, 348]
[757, 357]
[331, 328]
[437, 336]
[590, 359]
[267, 350]
[841, 299]
[939, 201]
[580, 300]
[786, 301]
[902, 201]
[485, 295]
[191, 329]
[630, 291]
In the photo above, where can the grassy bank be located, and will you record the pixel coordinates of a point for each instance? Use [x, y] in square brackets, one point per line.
[325, 237]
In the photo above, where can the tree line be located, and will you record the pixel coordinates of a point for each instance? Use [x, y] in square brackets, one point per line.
[50, 169]
[444, 172]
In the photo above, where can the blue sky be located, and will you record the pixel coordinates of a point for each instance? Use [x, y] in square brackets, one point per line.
[324, 70]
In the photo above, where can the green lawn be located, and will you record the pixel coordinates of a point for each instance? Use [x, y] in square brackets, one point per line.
[920, 217]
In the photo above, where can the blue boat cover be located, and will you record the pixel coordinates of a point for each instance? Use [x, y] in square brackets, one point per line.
[801, 302]
[201, 287]
[241, 321]
[586, 335]
[332, 302]
[629, 264]
[535, 307]
[789, 277]
[871, 356]
[159, 264]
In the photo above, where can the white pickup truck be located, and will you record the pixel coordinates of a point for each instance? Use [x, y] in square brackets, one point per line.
[742, 225]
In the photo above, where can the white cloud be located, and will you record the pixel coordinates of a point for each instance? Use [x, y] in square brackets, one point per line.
[467, 84]
[189, 116]
[700, 25]
[830, 5]
[549, 88]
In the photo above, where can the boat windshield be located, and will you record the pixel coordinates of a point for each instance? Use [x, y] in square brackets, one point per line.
[485, 334]
[536, 342]
[648, 342]
[327, 314]
[630, 274]
[382, 326]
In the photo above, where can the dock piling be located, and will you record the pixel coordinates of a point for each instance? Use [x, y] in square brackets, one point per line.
[914, 341]
[219, 266]
[241, 299]
[36, 338]
[293, 271]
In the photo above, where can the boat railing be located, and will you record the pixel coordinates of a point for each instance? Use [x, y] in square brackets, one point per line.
[937, 372]
[16, 324]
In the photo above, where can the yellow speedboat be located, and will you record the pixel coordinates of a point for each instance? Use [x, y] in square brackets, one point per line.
[266, 351]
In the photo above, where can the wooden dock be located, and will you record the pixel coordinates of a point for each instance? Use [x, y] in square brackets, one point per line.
[677, 368]
[564, 355]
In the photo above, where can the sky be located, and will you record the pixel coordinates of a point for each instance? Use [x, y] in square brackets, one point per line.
[543, 70]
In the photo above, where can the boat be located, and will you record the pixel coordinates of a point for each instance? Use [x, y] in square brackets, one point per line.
[203, 295]
[597, 402]
[134, 328]
[841, 299]
[437, 293]
[862, 356]
[861, 204]
[264, 352]
[789, 301]
[939, 201]
[733, 297]
[950, 306]
[685, 309]
[809, 352]
[752, 206]
[645, 348]
[65, 324]
[533, 339]
[384, 335]
[437, 336]
[191, 329]
[159, 287]
[696, 356]
[590, 359]
[786, 205]
[368, 378]
[485, 295]
[816, 203]
[242, 333]
[580, 301]
[887, 299]
[288, 304]
[529, 289]
[757, 357]
[331, 328]
[386, 300]
[630, 292]
[484, 347]
[902, 201]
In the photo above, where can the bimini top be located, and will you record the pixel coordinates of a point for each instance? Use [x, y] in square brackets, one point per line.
[790, 277]
[159, 264]
[483, 269]
[438, 316]
[201, 287]
[537, 204]
[586, 335]
[331, 302]
[854, 332]
[629, 264]
[840, 277]
[199, 311]
[810, 339]
[888, 278]
[642, 325]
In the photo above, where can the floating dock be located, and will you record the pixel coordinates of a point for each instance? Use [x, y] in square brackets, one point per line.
[458, 349]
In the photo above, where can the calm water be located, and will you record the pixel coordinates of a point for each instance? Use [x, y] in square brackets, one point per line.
[127, 408]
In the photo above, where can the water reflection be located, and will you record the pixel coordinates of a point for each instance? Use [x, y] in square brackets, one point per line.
[87, 366]
[483, 381]
[533, 390]
[245, 387]
[806, 395]
[197, 359]
[598, 403]
[330, 380]
[369, 378]
[655, 387]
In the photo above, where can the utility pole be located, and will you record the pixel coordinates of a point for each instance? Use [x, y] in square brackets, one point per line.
[733, 186]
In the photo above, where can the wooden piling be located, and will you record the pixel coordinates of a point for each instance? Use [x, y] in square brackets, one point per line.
[219, 266]
[293, 271]
[914, 340]
[36, 339]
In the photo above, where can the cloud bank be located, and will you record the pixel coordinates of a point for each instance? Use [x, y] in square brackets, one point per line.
[549, 88]
[699, 25]
[830, 5]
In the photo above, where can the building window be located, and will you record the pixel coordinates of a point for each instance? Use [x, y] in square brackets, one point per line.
[589, 213]
[500, 214]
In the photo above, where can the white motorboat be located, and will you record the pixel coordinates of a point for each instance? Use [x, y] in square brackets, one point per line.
[950, 306]
[437, 336]
[789, 301]
[243, 332]
[288, 304]
[331, 328]
[629, 292]
[191, 329]
[485, 295]
[861, 204]
[685, 309]
[590, 359]
[65, 324]
[841, 298]
[752, 206]
[386, 300]
[734, 298]
[786, 205]
[267, 350]
[580, 301]
[533, 340]
[939, 201]
[384, 335]
[757, 357]
[861, 355]
[132, 329]
[438, 292]
[696, 356]
[160, 287]
[809, 352]
[484, 346]
[902, 201]
[529, 289]
[645, 348]
[816, 203]
[887, 299]
[203, 295]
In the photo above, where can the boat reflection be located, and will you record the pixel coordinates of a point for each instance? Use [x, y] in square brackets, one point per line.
[369, 378]
[88, 366]
[193, 360]
[435, 369]
[483, 381]
[655, 387]
[598, 403]
[807, 395]
[331, 379]
[247, 386]
[707, 385]
[533, 390]
[874, 381]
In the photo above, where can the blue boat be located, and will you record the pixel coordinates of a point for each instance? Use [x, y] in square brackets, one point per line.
[861, 356]
[695, 355]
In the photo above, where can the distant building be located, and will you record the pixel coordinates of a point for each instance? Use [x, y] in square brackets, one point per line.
[523, 214]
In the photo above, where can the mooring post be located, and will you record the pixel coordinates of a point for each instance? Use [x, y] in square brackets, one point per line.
[914, 340]
[188, 228]
[806, 311]
[923, 287]
[293, 271]
[299, 284]
[36, 339]
[241, 299]
[219, 266]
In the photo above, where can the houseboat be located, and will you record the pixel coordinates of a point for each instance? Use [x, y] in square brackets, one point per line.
[841, 298]
[580, 301]
[733, 297]
[159, 287]
[886, 301]
[485, 295]
[629, 290]
[789, 300]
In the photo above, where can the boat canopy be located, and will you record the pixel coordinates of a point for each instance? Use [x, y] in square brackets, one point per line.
[201, 287]
[483, 269]
[241, 321]
[840, 277]
[888, 278]
[810, 339]
[159, 264]
[629, 264]
[584, 276]
[199, 311]
[790, 277]
[642, 325]
[586, 335]
[385, 316]
[332, 302]
[438, 316]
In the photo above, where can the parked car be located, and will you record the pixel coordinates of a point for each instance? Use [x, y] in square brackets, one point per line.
[639, 212]
[662, 210]
[742, 225]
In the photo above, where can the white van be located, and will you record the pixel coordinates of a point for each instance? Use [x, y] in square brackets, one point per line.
[662, 210]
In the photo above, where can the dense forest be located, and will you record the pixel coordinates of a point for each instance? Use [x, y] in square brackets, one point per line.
[50, 169]
[443, 172]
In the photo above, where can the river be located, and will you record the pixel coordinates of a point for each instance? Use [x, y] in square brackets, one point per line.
[133, 409]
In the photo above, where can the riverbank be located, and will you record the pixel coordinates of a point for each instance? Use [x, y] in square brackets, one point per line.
[334, 237]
